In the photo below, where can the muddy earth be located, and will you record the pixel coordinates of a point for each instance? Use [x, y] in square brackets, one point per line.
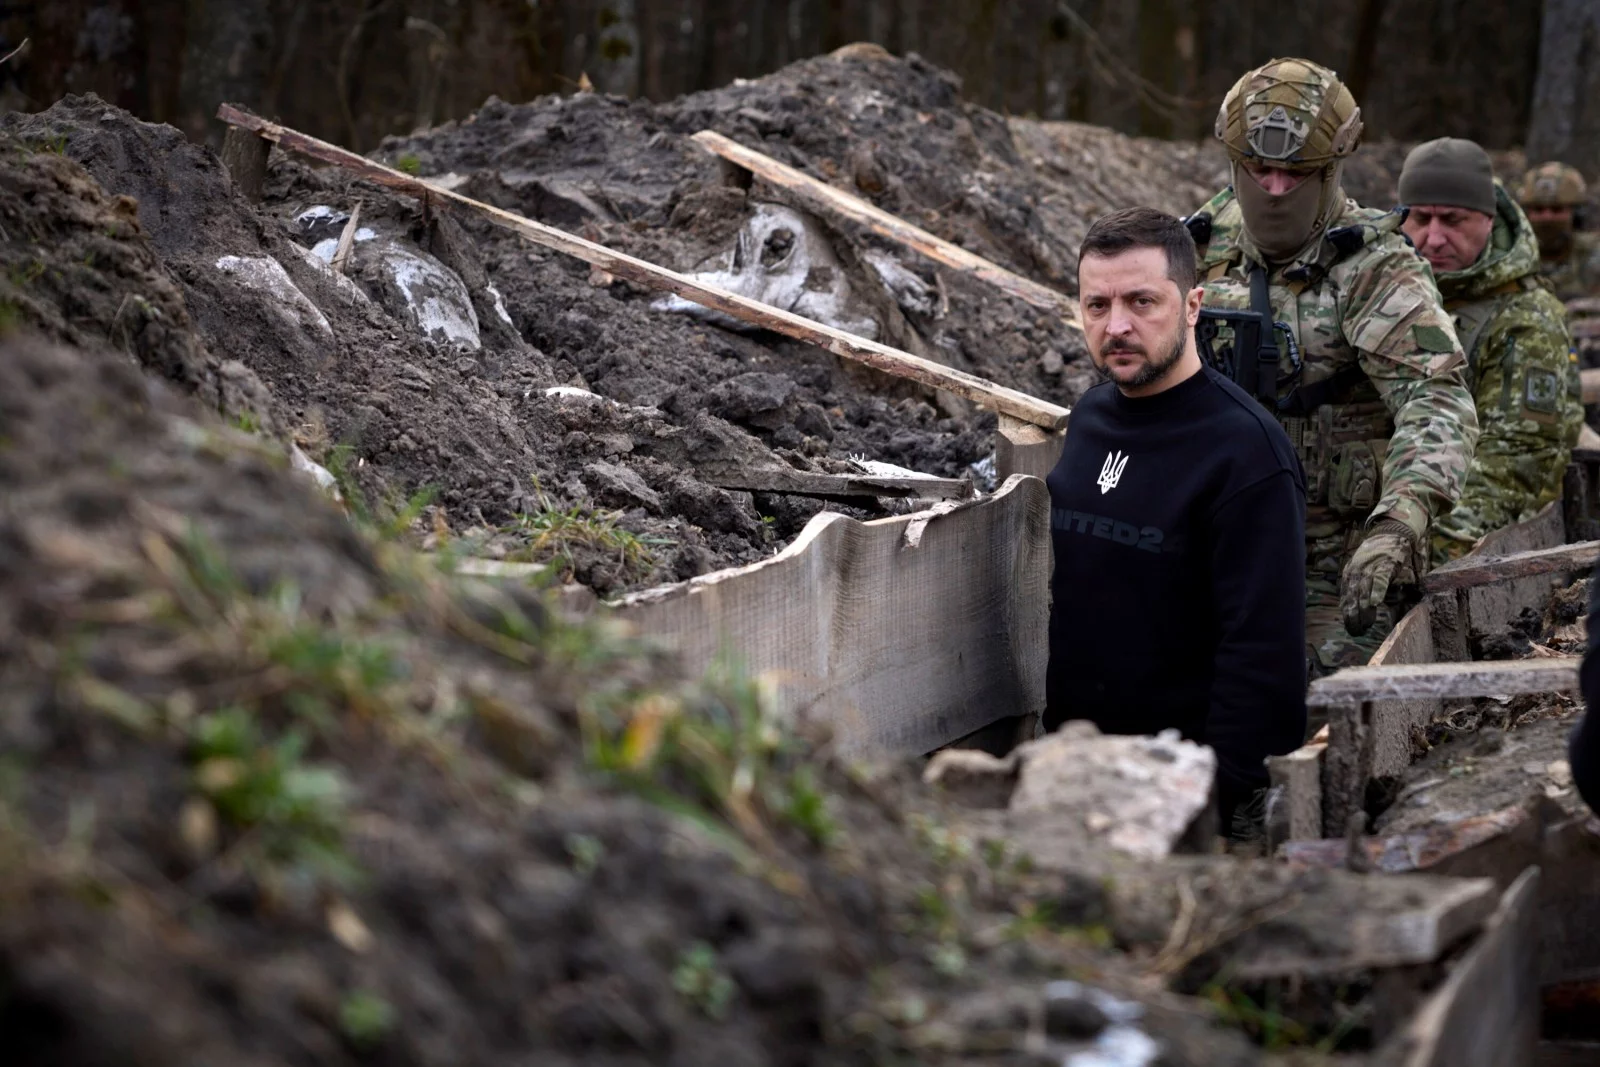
[279, 790]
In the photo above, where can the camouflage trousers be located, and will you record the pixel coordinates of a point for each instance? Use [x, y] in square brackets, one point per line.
[1329, 646]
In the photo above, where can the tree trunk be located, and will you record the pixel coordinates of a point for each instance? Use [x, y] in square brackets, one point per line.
[1565, 123]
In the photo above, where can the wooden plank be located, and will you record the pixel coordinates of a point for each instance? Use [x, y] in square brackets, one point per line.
[1022, 448]
[245, 156]
[1591, 381]
[822, 197]
[814, 483]
[1411, 641]
[1297, 813]
[901, 634]
[1492, 608]
[879, 357]
[1471, 571]
[1487, 1012]
[1389, 922]
[1482, 678]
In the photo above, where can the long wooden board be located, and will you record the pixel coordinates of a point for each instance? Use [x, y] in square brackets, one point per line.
[1468, 572]
[1476, 678]
[812, 483]
[900, 634]
[1591, 384]
[822, 197]
[1487, 1012]
[846, 346]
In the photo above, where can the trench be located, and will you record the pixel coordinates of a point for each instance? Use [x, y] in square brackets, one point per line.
[1448, 809]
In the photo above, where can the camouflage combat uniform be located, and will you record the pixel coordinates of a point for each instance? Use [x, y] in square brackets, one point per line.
[1384, 423]
[1576, 274]
[1524, 376]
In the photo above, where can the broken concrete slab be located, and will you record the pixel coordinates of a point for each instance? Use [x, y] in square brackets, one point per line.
[1139, 795]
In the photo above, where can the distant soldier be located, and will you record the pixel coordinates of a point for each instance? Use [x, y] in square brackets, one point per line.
[1520, 363]
[1362, 367]
[1550, 194]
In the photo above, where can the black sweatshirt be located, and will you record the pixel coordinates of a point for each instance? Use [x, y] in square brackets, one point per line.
[1583, 751]
[1178, 524]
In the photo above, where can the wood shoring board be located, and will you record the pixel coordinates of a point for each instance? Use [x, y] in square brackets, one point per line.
[846, 346]
[1591, 383]
[820, 196]
[1445, 681]
[901, 634]
[816, 483]
[1468, 572]
[1486, 1014]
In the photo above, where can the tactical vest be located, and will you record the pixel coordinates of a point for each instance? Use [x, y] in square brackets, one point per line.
[1339, 425]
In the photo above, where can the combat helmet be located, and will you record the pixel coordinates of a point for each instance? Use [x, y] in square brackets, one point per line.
[1291, 113]
[1551, 185]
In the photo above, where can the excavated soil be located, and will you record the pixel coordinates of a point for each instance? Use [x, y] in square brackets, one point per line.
[520, 389]
[570, 394]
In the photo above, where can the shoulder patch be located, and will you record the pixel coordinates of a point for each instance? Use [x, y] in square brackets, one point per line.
[1541, 390]
[1432, 338]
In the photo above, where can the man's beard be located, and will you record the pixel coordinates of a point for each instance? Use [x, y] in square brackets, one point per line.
[1151, 369]
[1554, 237]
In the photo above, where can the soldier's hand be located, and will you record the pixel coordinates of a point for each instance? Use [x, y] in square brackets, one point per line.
[1385, 556]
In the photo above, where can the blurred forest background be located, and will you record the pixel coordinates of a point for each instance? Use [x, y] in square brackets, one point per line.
[1506, 72]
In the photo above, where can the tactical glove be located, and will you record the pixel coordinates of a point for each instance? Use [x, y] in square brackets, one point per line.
[1387, 556]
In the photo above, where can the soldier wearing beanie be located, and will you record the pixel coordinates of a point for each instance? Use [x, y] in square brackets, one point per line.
[1376, 403]
[1521, 366]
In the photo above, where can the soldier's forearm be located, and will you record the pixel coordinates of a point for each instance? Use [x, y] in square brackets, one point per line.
[1436, 429]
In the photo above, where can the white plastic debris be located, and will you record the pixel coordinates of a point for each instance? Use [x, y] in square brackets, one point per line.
[500, 307]
[324, 478]
[326, 248]
[1121, 1044]
[878, 468]
[782, 259]
[572, 392]
[266, 275]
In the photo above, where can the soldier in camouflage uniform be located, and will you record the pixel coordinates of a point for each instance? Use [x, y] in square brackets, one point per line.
[1376, 403]
[1551, 194]
[1520, 362]
[1570, 260]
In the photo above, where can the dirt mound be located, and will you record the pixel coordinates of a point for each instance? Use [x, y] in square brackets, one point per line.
[455, 356]
[277, 789]
[77, 267]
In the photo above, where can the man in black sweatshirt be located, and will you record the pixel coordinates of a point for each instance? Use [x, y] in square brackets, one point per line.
[1178, 524]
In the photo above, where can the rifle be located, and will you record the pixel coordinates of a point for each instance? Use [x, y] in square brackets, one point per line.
[1252, 360]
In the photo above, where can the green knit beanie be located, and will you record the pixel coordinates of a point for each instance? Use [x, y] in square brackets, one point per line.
[1448, 172]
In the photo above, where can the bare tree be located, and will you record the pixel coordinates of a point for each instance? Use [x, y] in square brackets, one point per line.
[1565, 123]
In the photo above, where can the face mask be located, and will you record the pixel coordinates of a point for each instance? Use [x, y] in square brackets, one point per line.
[1553, 235]
[1280, 226]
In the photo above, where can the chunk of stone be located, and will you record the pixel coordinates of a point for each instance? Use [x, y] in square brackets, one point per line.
[266, 275]
[972, 777]
[1139, 795]
[748, 395]
[617, 486]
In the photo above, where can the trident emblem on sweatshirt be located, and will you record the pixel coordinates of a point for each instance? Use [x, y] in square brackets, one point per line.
[1111, 472]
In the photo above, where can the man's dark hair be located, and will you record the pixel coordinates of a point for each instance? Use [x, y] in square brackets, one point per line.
[1144, 227]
